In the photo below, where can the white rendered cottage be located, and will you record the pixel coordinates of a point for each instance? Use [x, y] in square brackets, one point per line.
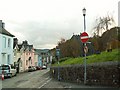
[6, 45]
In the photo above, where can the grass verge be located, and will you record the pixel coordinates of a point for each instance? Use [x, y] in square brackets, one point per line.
[96, 58]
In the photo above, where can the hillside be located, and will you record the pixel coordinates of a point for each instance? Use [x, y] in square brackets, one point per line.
[96, 58]
[73, 47]
[110, 39]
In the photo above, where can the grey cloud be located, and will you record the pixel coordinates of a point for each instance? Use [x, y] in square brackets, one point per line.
[48, 33]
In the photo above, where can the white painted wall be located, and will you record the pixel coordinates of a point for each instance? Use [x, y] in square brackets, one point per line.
[0, 48]
[6, 50]
[0, 41]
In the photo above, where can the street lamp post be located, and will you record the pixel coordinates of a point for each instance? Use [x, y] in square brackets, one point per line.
[84, 13]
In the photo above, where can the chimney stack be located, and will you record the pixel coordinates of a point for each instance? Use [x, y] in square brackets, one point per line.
[2, 25]
[15, 41]
[25, 42]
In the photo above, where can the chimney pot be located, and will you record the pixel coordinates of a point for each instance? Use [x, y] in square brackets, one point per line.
[3, 25]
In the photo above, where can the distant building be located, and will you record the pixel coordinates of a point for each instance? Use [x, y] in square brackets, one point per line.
[119, 13]
[39, 57]
[6, 45]
[44, 56]
[36, 54]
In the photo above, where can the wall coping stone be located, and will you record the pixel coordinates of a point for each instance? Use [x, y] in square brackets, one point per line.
[92, 64]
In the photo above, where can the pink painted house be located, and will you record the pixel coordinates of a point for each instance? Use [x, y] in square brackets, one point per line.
[28, 55]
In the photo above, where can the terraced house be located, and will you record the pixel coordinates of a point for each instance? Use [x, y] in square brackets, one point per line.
[23, 56]
[43, 57]
[6, 45]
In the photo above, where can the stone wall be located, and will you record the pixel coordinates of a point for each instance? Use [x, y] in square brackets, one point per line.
[105, 74]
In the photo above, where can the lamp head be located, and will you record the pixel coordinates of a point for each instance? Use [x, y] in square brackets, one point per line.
[84, 11]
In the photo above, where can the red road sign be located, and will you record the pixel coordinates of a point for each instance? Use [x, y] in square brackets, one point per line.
[84, 37]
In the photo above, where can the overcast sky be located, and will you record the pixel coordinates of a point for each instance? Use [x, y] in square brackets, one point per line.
[44, 22]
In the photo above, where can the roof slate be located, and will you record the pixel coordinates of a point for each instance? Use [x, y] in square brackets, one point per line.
[5, 32]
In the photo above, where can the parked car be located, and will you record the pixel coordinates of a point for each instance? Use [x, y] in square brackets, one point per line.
[34, 68]
[44, 67]
[38, 68]
[8, 70]
[30, 69]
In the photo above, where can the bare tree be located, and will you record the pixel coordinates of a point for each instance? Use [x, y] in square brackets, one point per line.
[62, 40]
[106, 21]
[102, 23]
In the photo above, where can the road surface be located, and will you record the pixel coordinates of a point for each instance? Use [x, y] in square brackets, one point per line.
[39, 79]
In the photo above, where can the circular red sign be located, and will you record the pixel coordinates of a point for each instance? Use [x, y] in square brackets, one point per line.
[84, 37]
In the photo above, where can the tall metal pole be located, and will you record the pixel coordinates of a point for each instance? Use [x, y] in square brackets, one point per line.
[84, 23]
[84, 13]
[85, 67]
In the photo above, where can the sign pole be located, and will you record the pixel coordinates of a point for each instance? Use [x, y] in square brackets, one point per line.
[85, 66]
[58, 57]
[58, 70]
